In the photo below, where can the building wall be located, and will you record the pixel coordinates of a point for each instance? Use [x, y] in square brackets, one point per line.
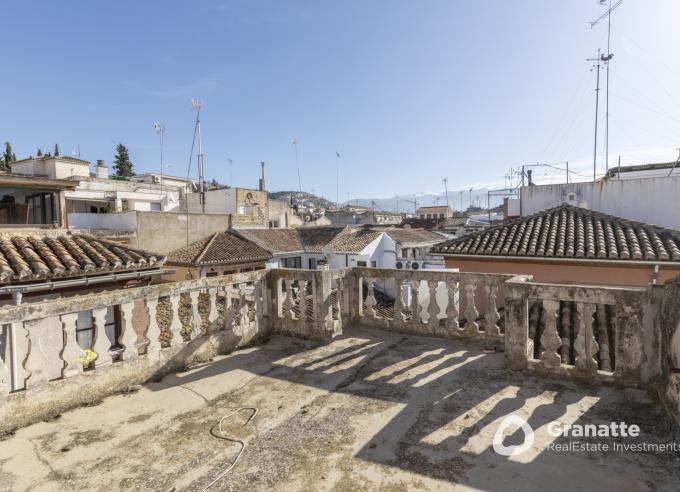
[568, 273]
[651, 200]
[51, 168]
[163, 232]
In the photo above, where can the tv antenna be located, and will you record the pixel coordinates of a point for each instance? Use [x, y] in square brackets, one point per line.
[197, 105]
[606, 59]
[294, 142]
[337, 178]
[160, 129]
[445, 180]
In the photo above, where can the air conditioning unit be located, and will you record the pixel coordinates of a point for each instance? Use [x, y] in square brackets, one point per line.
[399, 265]
[416, 265]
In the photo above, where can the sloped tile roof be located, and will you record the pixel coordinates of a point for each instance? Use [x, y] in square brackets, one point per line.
[353, 240]
[33, 257]
[570, 232]
[222, 248]
[315, 238]
[410, 235]
[274, 240]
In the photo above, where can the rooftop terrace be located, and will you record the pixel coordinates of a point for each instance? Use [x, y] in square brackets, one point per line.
[369, 393]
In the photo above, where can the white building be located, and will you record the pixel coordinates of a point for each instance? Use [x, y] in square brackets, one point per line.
[637, 193]
[186, 184]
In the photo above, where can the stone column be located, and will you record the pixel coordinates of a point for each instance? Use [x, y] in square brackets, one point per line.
[516, 326]
[153, 332]
[128, 336]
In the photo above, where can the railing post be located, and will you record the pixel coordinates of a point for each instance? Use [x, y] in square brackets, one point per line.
[195, 314]
[516, 326]
[471, 313]
[153, 332]
[491, 317]
[175, 323]
[585, 344]
[71, 348]
[550, 340]
[128, 336]
[101, 342]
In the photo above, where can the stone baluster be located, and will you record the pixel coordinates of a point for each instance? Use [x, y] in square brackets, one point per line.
[128, 336]
[370, 299]
[398, 316]
[288, 300]
[432, 307]
[471, 313]
[302, 298]
[452, 315]
[565, 322]
[22, 350]
[260, 301]
[491, 317]
[550, 339]
[603, 338]
[228, 308]
[72, 351]
[101, 343]
[212, 310]
[44, 361]
[153, 332]
[586, 346]
[340, 301]
[195, 314]
[242, 306]
[175, 323]
[415, 302]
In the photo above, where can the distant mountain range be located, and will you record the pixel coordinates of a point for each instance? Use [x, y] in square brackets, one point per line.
[458, 200]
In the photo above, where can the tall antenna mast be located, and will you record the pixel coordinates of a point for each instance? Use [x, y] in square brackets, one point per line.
[606, 58]
[297, 162]
[337, 178]
[160, 129]
[445, 180]
[597, 100]
[197, 105]
[231, 172]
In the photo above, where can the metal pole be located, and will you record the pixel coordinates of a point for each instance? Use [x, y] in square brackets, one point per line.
[567, 172]
[597, 101]
[609, 57]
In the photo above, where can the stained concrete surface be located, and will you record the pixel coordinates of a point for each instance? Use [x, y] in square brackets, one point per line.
[369, 411]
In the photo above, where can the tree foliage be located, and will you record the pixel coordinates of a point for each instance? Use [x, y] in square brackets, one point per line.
[122, 165]
[7, 157]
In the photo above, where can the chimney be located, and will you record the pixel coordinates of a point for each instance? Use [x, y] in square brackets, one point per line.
[102, 171]
[262, 187]
[531, 183]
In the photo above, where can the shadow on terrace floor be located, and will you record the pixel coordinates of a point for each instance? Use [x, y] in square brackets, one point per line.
[431, 408]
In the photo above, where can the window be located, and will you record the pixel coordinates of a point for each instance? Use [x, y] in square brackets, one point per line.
[374, 264]
[294, 262]
[312, 263]
[361, 263]
[85, 327]
[441, 216]
[155, 207]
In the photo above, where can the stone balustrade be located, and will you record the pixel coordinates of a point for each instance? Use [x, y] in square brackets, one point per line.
[430, 302]
[592, 333]
[587, 332]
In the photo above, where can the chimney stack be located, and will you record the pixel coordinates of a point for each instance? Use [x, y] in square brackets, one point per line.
[531, 183]
[262, 187]
[102, 171]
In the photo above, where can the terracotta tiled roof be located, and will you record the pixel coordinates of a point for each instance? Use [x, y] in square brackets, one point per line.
[416, 223]
[222, 248]
[274, 240]
[410, 235]
[570, 232]
[315, 238]
[31, 257]
[353, 240]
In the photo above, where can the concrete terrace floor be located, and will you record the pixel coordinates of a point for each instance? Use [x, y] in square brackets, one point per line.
[369, 411]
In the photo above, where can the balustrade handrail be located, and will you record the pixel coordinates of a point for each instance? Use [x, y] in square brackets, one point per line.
[44, 309]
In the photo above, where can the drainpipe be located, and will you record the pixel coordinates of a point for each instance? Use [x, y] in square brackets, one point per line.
[16, 300]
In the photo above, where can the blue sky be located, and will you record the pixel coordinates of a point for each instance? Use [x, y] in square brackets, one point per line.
[407, 92]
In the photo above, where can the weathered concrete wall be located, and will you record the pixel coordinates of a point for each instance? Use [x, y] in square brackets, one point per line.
[670, 388]
[163, 232]
[651, 200]
[562, 272]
